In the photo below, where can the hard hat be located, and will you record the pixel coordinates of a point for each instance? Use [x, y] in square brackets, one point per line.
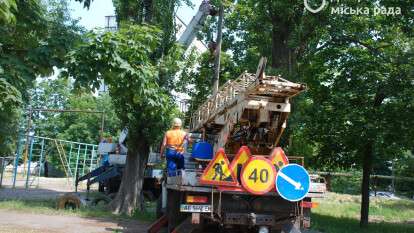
[177, 122]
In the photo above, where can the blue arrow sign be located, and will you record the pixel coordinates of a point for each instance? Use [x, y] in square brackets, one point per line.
[292, 182]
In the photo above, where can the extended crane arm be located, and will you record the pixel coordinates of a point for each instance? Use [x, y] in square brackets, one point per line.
[196, 23]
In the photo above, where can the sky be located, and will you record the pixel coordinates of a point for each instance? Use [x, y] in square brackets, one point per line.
[95, 16]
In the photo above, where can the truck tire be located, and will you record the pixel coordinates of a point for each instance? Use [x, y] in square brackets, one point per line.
[101, 198]
[158, 210]
[113, 185]
[69, 201]
[290, 228]
[101, 187]
[175, 217]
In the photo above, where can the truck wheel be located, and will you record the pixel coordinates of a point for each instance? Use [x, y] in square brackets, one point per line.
[290, 228]
[113, 185]
[69, 201]
[158, 210]
[175, 217]
[101, 199]
[101, 187]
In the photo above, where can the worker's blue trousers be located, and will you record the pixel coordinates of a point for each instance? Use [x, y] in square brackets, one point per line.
[175, 161]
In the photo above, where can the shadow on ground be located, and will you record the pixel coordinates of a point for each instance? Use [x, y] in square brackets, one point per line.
[36, 209]
[329, 224]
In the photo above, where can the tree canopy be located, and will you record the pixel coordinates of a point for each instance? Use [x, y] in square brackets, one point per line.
[37, 41]
[7, 10]
[127, 62]
[73, 126]
[124, 61]
[138, 63]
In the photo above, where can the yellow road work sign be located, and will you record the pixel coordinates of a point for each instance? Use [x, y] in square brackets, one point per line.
[218, 171]
[258, 175]
[241, 158]
[278, 158]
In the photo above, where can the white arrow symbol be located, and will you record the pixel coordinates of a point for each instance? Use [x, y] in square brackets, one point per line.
[297, 185]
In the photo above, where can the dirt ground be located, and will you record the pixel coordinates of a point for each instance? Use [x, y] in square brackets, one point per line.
[18, 222]
[48, 189]
[39, 188]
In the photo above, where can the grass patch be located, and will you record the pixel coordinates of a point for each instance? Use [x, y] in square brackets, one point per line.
[330, 224]
[340, 213]
[48, 207]
[147, 215]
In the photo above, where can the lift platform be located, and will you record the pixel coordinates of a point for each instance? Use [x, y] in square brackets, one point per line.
[255, 100]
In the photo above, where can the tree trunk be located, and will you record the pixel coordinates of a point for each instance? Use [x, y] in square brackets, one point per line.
[148, 4]
[283, 57]
[367, 160]
[129, 196]
[366, 172]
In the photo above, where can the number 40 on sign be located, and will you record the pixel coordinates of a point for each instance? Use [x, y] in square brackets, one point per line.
[258, 175]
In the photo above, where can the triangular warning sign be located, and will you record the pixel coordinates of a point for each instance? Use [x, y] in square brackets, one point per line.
[218, 171]
[278, 158]
[242, 156]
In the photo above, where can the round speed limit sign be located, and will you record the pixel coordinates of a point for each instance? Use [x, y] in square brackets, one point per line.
[258, 175]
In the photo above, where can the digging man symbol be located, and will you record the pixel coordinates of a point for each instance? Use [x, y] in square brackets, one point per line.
[220, 173]
[218, 170]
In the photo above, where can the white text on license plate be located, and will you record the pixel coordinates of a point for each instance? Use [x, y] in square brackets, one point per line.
[196, 208]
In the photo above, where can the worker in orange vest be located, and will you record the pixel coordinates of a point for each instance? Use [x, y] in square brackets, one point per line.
[173, 144]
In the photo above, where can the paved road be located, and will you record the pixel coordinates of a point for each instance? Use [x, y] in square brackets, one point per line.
[19, 222]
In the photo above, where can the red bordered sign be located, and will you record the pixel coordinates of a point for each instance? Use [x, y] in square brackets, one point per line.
[218, 171]
[278, 158]
[242, 156]
[258, 175]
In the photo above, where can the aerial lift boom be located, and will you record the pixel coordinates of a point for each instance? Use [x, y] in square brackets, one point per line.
[196, 23]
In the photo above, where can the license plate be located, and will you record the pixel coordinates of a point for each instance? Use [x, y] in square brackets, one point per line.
[196, 208]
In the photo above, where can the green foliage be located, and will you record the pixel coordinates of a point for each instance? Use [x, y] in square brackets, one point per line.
[404, 166]
[154, 12]
[360, 76]
[9, 95]
[138, 63]
[348, 185]
[37, 41]
[7, 9]
[160, 13]
[340, 213]
[125, 61]
[278, 30]
[81, 127]
[9, 130]
[197, 81]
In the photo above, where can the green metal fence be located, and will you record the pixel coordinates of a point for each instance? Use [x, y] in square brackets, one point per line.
[67, 158]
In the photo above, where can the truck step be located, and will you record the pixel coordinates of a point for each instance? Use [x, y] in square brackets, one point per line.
[186, 226]
[158, 225]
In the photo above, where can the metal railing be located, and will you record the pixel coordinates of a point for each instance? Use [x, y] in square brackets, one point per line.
[71, 157]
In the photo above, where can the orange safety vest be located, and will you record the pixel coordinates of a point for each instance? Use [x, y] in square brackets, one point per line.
[175, 139]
